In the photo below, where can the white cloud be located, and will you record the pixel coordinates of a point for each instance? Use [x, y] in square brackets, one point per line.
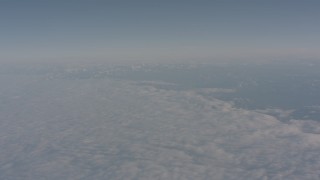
[102, 129]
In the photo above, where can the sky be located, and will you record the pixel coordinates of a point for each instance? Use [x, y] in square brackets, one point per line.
[62, 30]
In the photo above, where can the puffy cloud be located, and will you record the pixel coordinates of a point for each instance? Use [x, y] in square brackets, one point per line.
[105, 129]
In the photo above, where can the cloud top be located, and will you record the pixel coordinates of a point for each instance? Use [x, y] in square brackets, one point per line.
[106, 129]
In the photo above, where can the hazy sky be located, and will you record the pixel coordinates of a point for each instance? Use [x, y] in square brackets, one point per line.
[123, 30]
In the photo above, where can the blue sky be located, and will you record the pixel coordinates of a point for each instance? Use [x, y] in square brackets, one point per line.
[42, 30]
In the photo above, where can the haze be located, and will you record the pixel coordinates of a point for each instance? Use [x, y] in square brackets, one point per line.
[159, 90]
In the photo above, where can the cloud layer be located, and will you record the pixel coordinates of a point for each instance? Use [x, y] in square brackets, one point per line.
[106, 129]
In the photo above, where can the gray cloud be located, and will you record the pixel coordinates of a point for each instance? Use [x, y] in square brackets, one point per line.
[105, 129]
